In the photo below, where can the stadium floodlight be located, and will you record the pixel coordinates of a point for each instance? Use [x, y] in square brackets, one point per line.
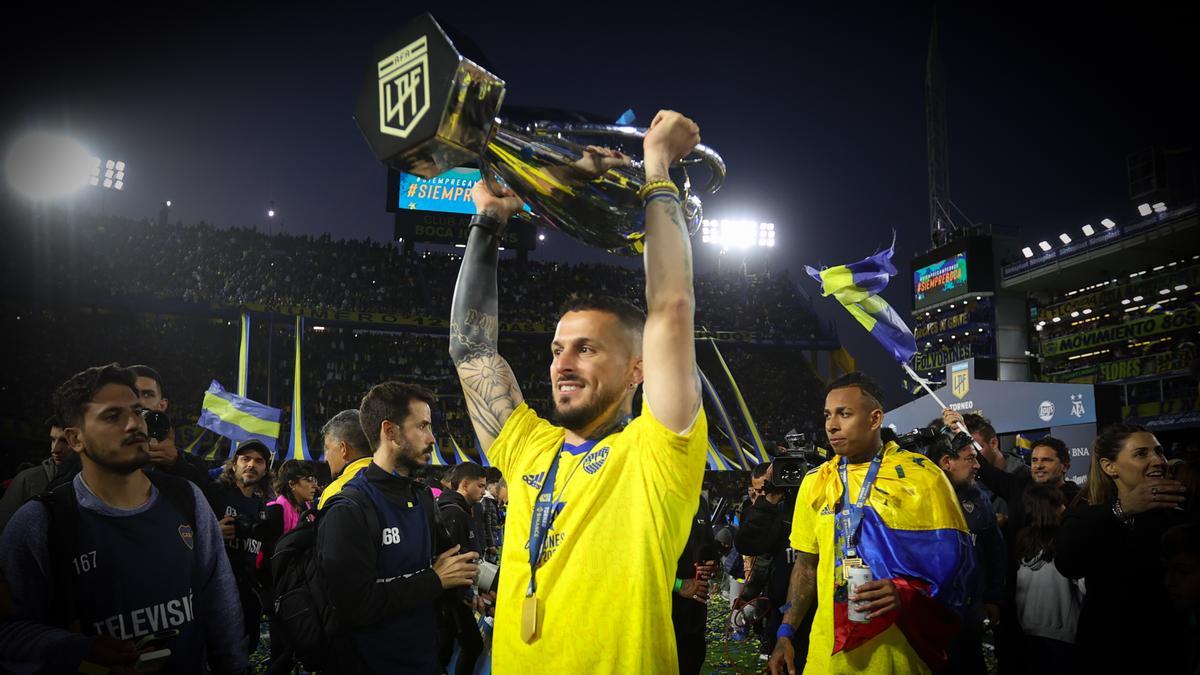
[737, 234]
[1074, 315]
[1125, 301]
[1159, 207]
[1064, 238]
[1044, 245]
[1027, 252]
[1138, 298]
[541, 237]
[1181, 287]
[270, 213]
[1144, 209]
[119, 185]
[108, 182]
[42, 165]
[1056, 319]
[1108, 223]
[168, 203]
[1088, 230]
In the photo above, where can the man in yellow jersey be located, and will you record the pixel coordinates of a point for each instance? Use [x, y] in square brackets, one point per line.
[346, 451]
[613, 492]
[873, 512]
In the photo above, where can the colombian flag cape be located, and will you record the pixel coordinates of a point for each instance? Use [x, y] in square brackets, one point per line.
[913, 532]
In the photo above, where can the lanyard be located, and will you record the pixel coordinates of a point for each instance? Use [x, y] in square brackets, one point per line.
[850, 517]
[545, 510]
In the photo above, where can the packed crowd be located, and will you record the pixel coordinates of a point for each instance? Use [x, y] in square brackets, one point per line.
[201, 263]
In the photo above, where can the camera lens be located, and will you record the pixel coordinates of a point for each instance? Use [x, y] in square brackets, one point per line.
[158, 425]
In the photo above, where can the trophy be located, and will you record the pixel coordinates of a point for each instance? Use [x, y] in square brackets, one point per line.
[426, 109]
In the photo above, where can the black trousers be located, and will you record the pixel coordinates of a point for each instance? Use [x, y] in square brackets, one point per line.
[691, 649]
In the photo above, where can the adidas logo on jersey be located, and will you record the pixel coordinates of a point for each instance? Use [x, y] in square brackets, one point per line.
[534, 480]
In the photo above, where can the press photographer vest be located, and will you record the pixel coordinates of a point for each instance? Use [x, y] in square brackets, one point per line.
[133, 577]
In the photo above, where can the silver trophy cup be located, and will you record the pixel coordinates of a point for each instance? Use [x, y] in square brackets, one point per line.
[427, 109]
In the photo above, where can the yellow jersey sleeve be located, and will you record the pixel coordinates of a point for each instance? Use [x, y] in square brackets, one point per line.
[804, 519]
[669, 459]
[523, 439]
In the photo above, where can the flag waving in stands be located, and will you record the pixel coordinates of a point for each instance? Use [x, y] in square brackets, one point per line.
[857, 286]
[239, 419]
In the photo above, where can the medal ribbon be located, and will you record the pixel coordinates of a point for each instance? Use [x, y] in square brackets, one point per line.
[850, 517]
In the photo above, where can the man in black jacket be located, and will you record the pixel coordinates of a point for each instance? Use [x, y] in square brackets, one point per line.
[689, 604]
[457, 509]
[386, 569]
[766, 527]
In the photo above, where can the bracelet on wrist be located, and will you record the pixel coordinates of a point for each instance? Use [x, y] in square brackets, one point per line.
[678, 585]
[786, 630]
[656, 185]
[487, 223]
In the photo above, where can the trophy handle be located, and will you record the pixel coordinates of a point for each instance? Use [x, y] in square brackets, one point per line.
[702, 154]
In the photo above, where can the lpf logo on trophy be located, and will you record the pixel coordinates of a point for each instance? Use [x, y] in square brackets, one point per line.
[404, 88]
[425, 109]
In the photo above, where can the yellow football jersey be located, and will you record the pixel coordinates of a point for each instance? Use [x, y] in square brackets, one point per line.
[608, 565]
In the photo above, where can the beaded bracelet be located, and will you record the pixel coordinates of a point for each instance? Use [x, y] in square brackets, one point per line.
[665, 194]
[656, 185]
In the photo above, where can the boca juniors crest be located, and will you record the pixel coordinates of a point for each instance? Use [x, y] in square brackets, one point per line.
[404, 88]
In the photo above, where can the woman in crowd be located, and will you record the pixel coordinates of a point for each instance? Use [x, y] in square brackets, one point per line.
[1111, 539]
[296, 485]
[1048, 604]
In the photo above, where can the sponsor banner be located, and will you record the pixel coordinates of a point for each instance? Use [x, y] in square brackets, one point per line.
[948, 323]
[1137, 328]
[1174, 361]
[937, 359]
[1078, 438]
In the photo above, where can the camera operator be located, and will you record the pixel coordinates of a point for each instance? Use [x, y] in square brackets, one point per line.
[766, 525]
[164, 455]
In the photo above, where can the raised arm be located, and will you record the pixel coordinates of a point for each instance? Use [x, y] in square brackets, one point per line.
[671, 386]
[489, 386]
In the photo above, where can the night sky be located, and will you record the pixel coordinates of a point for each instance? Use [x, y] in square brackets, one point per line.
[818, 112]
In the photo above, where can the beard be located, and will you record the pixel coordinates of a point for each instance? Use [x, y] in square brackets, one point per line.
[412, 458]
[580, 416]
[109, 460]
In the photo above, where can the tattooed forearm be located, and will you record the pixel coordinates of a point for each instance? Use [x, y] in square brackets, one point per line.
[473, 313]
[489, 386]
[802, 589]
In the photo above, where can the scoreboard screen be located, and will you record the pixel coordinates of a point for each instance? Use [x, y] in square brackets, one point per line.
[942, 280]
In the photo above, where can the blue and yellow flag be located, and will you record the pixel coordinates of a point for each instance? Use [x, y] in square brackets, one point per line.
[298, 447]
[857, 286]
[239, 419]
[1023, 442]
[479, 450]
[459, 456]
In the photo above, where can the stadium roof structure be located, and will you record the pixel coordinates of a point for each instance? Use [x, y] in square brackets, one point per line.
[1159, 238]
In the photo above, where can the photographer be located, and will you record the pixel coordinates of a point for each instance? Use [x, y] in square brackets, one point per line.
[689, 603]
[239, 498]
[766, 525]
[164, 455]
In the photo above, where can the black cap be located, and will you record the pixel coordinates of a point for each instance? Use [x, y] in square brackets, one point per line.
[253, 445]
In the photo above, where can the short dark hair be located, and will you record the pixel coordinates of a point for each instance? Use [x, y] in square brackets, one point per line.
[760, 469]
[146, 371]
[345, 427]
[943, 447]
[389, 401]
[466, 471]
[858, 379]
[53, 421]
[630, 315]
[978, 424]
[292, 470]
[1060, 448]
[494, 475]
[71, 397]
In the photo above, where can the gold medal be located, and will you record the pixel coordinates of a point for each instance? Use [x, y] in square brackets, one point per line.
[529, 619]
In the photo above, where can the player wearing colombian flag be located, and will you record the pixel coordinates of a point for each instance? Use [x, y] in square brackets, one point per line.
[600, 504]
[875, 510]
